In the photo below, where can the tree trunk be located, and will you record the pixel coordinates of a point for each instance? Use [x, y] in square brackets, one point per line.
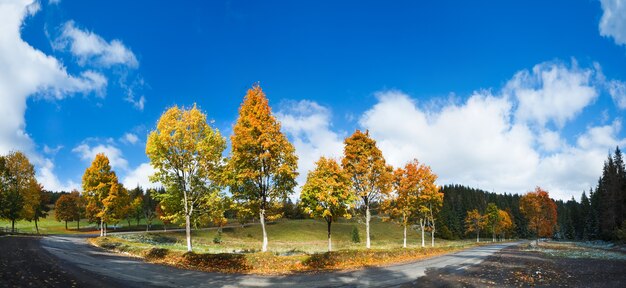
[367, 226]
[65, 224]
[105, 229]
[262, 219]
[188, 232]
[330, 247]
[493, 236]
[422, 224]
[101, 228]
[78, 224]
[477, 236]
[13, 226]
[537, 238]
[404, 243]
[432, 237]
[36, 227]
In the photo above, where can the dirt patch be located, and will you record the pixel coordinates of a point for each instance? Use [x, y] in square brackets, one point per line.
[23, 263]
[520, 267]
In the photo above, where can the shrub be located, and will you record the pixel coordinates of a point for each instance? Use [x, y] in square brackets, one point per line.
[218, 238]
[355, 235]
[156, 253]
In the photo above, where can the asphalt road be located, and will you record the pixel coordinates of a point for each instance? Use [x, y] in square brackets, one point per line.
[131, 272]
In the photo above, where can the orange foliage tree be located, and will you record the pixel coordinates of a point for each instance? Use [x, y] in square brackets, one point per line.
[474, 222]
[370, 176]
[263, 164]
[540, 210]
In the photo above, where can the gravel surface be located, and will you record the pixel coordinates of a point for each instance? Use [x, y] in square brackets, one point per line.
[23, 263]
[519, 267]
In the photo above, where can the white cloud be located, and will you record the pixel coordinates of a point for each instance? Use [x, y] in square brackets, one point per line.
[617, 90]
[551, 92]
[140, 177]
[49, 180]
[308, 126]
[25, 72]
[88, 153]
[474, 144]
[613, 21]
[90, 48]
[479, 143]
[52, 151]
[130, 138]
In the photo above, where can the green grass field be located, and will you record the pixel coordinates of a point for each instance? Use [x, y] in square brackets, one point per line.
[288, 236]
[49, 225]
[294, 245]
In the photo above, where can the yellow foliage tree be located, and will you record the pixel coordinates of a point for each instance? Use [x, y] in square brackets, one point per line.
[505, 224]
[369, 174]
[474, 222]
[19, 190]
[187, 155]
[98, 181]
[263, 163]
[326, 193]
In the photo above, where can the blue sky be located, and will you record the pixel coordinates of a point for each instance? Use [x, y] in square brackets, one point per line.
[501, 95]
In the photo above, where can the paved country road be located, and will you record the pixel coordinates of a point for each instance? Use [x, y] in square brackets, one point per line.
[131, 272]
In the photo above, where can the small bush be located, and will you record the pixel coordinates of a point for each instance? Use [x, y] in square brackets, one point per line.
[355, 235]
[218, 238]
[157, 253]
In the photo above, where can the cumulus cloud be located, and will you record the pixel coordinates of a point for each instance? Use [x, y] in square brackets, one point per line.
[551, 92]
[617, 90]
[130, 138]
[488, 140]
[308, 125]
[116, 158]
[90, 48]
[27, 72]
[140, 177]
[613, 21]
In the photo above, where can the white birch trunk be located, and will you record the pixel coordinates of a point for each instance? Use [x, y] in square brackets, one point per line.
[422, 224]
[404, 244]
[262, 217]
[188, 232]
[367, 226]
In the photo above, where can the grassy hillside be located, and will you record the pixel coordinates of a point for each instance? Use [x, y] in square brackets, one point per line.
[291, 236]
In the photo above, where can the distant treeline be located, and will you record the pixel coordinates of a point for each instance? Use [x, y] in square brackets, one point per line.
[602, 213]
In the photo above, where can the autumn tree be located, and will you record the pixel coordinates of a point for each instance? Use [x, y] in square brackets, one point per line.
[66, 208]
[135, 210]
[430, 201]
[369, 175]
[403, 203]
[187, 155]
[98, 182]
[212, 208]
[540, 210]
[149, 206]
[116, 204]
[41, 208]
[263, 164]
[493, 219]
[474, 222]
[20, 194]
[326, 193]
[504, 224]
